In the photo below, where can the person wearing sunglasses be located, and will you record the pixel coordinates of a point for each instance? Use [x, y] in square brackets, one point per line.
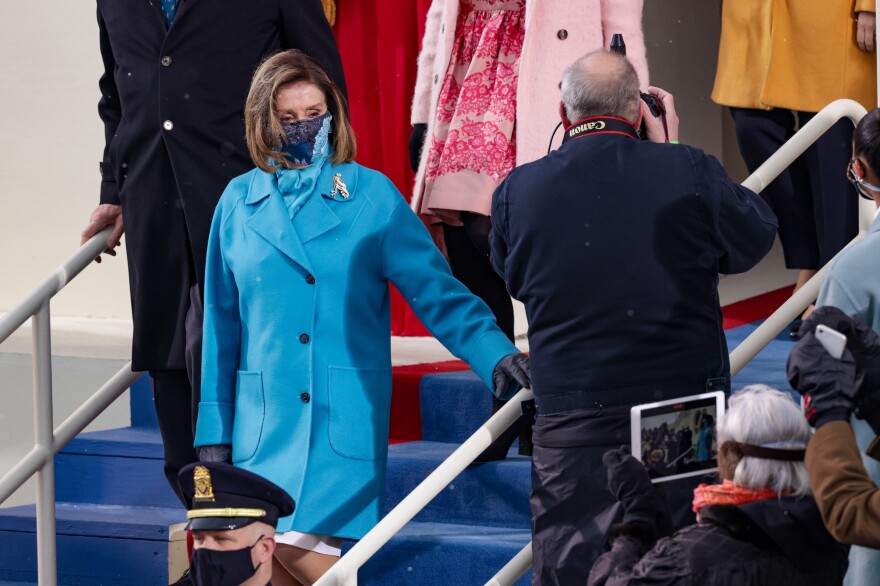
[853, 285]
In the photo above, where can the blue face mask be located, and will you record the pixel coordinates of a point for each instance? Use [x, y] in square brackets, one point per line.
[306, 141]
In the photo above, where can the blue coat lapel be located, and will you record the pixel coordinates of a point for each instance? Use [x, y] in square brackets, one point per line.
[316, 216]
[271, 219]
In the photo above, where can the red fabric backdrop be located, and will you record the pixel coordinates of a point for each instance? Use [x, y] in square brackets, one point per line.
[379, 42]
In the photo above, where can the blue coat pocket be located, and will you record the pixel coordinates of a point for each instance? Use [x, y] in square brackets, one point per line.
[359, 405]
[250, 409]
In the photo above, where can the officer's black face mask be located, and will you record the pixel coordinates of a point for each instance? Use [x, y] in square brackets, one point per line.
[210, 567]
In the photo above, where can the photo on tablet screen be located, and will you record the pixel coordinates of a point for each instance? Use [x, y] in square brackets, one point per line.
[677, 438]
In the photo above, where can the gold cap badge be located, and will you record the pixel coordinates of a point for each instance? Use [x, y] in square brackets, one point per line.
[204, 490]
[339, 187]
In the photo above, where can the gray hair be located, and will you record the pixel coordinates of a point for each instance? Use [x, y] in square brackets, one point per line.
[761, 415]
[601, 84]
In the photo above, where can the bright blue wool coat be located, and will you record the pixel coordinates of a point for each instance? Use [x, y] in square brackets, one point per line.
[296, 368]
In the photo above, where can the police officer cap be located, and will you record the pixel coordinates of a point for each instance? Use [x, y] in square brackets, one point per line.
[220, 497]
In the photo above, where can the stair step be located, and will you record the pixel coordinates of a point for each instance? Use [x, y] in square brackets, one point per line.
[453, 406]
[444, 553]
[495, 494]
[768, 367]
[96, 544]
[119, 466]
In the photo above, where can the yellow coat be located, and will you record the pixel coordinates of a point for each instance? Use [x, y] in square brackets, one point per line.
[794, 54]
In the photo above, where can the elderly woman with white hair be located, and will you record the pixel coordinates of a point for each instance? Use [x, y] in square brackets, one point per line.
[759, 526]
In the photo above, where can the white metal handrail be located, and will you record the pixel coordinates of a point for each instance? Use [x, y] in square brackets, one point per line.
[344, 573]
[47, 442]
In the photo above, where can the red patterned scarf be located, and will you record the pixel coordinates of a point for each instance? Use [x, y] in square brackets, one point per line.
[728, 493]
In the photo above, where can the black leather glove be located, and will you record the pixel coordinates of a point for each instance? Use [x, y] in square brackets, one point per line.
[513, 369]
[864, 343]
[218, 453]
[416, 142]
[630, 484]
[827, 384]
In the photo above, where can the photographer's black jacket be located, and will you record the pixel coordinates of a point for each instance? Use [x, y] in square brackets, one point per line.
[615, 246]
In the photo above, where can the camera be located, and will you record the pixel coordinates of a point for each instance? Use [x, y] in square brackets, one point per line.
[654, 104]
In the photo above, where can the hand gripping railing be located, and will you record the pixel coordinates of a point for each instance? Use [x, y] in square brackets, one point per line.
[344, 573]
[47, 442]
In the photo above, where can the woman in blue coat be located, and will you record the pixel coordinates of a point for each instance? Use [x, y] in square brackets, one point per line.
[296, 368]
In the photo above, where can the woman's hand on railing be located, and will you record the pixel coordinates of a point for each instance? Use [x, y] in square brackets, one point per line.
[513, 368]
[105, 215]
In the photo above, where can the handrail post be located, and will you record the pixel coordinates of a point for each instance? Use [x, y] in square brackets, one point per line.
[47, 574]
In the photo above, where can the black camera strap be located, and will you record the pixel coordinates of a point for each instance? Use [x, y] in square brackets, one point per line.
[599, 125]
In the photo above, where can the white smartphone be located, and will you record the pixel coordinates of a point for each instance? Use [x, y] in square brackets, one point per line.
[832, 340]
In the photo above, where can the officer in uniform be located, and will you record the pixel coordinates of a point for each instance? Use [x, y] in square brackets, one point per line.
[232, 514]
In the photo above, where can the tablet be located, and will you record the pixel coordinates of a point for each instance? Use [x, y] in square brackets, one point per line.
[676, 438]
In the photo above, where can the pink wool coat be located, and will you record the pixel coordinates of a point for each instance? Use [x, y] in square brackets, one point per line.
[557, 33]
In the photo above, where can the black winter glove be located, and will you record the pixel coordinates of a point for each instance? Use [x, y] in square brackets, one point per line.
[219, 453]
[827, 384]
[513, 369]
[864, 343]
[416, 142]
[642, 504]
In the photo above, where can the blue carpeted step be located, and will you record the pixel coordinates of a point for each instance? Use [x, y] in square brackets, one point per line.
[494, 494]
[768, 367]
[117, 466]
[453, 406]
[443, 553]
[140, 398]
[97, 544]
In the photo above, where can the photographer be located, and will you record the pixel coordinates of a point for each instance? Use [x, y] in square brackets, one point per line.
[615, 245]
[758, 527]
[833, 390]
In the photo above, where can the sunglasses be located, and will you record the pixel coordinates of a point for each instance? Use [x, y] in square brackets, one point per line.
[859, 183]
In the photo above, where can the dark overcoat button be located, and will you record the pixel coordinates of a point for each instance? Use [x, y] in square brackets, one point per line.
[562, 34]
[304, 338]
[166, 61]
[305, 397]
[310, 279]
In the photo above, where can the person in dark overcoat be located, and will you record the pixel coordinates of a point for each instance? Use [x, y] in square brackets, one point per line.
[176, 75]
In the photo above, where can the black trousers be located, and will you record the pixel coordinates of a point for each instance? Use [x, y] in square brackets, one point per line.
[176, 394]
[468, 250]
[815, 203]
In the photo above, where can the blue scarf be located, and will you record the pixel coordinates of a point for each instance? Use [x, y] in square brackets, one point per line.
[296, 185]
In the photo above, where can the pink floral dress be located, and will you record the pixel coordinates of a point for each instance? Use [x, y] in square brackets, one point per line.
[473, 146]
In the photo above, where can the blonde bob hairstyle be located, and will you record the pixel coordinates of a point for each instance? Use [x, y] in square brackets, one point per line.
[262, 125]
